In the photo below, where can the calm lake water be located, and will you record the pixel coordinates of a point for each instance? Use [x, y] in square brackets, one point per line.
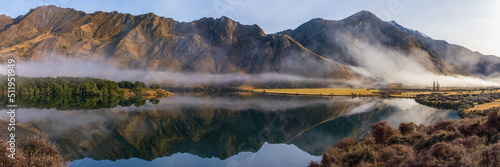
[215, 130]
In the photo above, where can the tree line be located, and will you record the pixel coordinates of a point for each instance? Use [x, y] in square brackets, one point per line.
[81, 86]
[63, 86]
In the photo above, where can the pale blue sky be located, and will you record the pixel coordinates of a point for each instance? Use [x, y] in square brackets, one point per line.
[473, 24]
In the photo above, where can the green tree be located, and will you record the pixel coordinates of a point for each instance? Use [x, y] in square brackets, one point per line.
[154, 86]
[139, 86]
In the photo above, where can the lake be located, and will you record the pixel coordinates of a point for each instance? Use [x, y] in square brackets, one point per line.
[233, 130]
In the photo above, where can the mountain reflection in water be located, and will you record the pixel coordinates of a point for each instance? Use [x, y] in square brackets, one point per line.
[216, 128]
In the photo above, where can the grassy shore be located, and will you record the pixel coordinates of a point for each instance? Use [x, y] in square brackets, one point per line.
[146, 93]
[484, 106]
[323, 91]
[413, 94]
[399, 93]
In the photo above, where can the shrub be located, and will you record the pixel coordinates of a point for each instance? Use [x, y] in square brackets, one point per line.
[439, 136]
[382, 132]
[443, 151]
[369, 141]
[467, 142]
[34, 151]
[416, 138]
[491, 156]
[445, 125]
[470, 127]
[5, 160]
[397, 155]
[350, 155]
[471, 142]
[331, 157]
[450, 155]
[154, 86]
[493, 120]
[407, 127]
[346, 143]
[360, 153]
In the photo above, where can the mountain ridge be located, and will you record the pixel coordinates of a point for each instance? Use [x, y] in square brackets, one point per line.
[151, 42]
[327, 38]
[319, 48]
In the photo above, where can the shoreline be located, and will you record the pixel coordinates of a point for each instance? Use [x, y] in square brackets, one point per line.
[473, 108]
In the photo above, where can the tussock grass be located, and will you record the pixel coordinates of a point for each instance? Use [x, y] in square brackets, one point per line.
[467, 142]
[33, 151]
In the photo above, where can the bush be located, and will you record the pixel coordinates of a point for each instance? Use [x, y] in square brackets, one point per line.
[445, 125]
[397, 155]
[382, 132]
[494, 119]
[346, 143]
[359, 153]
[444, 151]
[471, 142]
[154, 86]
[369, 141]
[35, 151]
[451, 155]
[406, 128]
[491, 156]
[467, 142]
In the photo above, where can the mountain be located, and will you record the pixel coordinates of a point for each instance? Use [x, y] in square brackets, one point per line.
[352, 48]
[5, 20]
[356, 40]
[456, 55]
[150, 42]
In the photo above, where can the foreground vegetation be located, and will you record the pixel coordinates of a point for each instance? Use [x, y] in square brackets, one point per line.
[34, 151]
[467, 142]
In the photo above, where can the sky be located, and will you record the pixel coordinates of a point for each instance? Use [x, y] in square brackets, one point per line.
[473, 24]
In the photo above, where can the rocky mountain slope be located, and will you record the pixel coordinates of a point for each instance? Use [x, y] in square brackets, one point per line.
[151, 42]
[456, 55]
[318, 48]
[358, 39]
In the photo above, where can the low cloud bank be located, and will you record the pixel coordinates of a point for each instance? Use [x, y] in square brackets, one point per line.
[386, 65]
[55, 66]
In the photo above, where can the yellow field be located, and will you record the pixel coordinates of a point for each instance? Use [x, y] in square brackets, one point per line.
[485, 106]
[409, 94]
[323, 91]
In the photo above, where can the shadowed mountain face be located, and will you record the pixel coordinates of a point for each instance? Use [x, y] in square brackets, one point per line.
[151, 42]
[360, 37]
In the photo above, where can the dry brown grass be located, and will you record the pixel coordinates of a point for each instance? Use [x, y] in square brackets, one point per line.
[484, 106]
[33, 151]
[467, 142]
[147, 93]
